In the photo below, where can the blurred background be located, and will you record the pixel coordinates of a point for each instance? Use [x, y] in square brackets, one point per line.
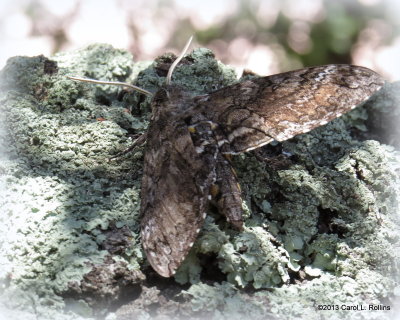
[264, 36]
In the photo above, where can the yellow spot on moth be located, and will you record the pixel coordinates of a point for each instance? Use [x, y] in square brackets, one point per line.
[214, 190]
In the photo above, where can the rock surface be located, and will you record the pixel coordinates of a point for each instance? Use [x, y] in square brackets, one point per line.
[322, 223]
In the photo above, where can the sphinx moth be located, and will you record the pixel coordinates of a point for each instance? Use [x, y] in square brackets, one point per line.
[189, 138]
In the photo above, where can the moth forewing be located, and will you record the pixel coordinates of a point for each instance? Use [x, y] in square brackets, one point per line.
[175, 185]
[278, 107]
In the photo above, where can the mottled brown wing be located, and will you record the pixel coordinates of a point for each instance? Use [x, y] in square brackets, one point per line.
[175, 187]
[255, 112]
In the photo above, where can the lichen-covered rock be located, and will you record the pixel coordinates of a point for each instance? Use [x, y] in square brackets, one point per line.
[61, 196]
[322, 217]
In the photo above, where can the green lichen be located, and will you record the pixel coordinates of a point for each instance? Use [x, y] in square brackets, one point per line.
[339, 295]
[200, 66]
[321, 214]
[251, 257]
[61, 193]
[224, 301]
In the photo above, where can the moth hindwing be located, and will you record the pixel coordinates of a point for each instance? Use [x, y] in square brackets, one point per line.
[188, 138]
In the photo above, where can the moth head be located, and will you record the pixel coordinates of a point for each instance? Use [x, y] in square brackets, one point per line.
[172, 94]
[161, 95]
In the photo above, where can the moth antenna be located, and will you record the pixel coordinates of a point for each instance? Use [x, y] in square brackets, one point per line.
[114, 83]
[172, 67]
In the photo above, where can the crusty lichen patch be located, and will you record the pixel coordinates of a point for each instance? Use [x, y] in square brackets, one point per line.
[321, 210]
[62, 194]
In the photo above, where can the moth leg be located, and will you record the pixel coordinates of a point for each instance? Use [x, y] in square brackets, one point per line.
[138, 142]
[229, 199]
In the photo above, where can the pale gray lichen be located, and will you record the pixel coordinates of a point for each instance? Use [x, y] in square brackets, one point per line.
[322, 213]
[252, 257]
[61, 193]
[224, 301]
